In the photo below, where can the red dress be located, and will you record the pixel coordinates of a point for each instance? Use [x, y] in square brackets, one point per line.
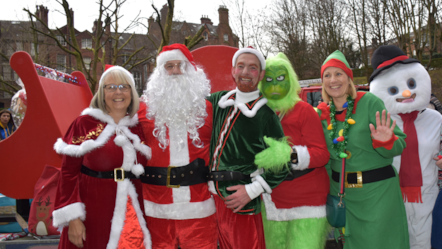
[111, 211]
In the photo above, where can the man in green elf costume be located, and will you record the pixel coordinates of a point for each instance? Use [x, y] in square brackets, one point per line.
[249, 153]
[294, 214]
[360, 134]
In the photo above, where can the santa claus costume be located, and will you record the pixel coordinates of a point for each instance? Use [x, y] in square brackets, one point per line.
[405, 87]
[296, 219]
[101, 161]
[177, 123]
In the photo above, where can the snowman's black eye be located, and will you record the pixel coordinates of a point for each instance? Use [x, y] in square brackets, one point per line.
[411, 83]
[393, 90]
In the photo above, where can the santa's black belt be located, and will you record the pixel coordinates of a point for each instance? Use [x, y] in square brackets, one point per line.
[221, 176]
[173, 177]
[297, 173]
[118, 174]
[356, 179]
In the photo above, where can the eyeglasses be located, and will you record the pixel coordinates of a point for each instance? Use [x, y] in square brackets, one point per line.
[171, 66]
[113, 88]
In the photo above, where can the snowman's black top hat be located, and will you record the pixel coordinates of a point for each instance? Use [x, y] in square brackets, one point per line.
[386, 56]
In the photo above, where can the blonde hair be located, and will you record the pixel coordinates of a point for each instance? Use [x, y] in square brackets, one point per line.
[351, 91]
[120, 77]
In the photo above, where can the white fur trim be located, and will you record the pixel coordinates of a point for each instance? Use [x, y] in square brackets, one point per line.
[225, 102]
[171, 55]
[62, 216]
[254, 189]
[124, 189]
[111, 128]
[251, 113]
[263, 183]
[180, 211]
[138, 170]
[286, 214]
[116, 68]
[303, 157]
[212, 187]
[258, 54]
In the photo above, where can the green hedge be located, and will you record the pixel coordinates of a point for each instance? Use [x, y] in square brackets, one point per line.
[435, 63]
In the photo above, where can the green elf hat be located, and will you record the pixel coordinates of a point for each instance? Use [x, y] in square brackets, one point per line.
[337, 59]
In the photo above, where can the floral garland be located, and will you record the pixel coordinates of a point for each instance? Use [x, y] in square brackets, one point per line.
[340, 142]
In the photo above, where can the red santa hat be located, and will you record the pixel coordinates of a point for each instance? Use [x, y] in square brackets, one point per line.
[175, 52]
[249, 50]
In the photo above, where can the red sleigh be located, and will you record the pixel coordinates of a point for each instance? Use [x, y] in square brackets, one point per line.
[52, 106]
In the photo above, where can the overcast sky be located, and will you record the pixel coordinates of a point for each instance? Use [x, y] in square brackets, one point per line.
[86, 11]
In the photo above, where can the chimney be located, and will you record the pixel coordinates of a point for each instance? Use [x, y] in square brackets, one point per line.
[42, 13]
[163, 13]
[206, 20]
[223, 15]
[150, 23]
[94, 28]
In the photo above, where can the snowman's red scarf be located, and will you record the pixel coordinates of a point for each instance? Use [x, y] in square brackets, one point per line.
[410, 174]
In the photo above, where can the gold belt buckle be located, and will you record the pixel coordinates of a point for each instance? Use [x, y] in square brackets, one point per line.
[354, 185]
[116, 175]
[168, 178]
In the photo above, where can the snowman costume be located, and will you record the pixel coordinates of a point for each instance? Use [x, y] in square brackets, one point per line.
[405, 87]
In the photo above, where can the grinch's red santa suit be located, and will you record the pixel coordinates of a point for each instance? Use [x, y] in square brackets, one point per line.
[177, 123]
[405, 87]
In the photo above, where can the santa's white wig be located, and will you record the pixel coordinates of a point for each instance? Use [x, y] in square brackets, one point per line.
[177, 101]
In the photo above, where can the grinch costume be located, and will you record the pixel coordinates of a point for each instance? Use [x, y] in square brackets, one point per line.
[245, 151]
[296, 219]
[405, 87]
[375, 214]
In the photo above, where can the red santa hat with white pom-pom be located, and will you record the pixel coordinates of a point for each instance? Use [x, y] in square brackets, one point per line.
[175, 52]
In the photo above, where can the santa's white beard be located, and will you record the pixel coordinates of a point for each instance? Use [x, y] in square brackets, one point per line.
[178, 102]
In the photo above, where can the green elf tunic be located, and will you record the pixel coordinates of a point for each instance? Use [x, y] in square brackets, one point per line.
[375, 216]
[243, 138]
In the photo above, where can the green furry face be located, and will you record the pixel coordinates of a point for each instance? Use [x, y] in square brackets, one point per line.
[276, 82]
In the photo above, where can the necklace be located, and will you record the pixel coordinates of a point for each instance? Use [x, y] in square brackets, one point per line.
[340, 138]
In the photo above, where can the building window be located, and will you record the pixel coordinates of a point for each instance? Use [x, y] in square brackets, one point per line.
[61, 62]
[146, 73]
[206, 36]
[9, 49]
[125, 58]
[86, 43]
[226, 37]
[87, 62]
[137, 78]
[18, 46]
[7, 72]
[61, 40]
[33, 49]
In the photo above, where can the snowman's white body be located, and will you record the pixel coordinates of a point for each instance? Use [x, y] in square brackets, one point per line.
[390, 85]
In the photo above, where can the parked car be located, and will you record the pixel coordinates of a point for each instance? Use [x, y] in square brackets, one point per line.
[313, 94]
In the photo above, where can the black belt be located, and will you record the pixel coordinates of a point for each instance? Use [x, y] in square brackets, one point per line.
[118, 174]
[356, 179]
[221, 176]
[297, 173]
[173, 177]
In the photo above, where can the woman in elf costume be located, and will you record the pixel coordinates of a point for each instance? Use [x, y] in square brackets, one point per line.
[294, 215]
[358, 131]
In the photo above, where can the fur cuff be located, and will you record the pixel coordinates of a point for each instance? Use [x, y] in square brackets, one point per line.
[303, 158]
[295, 213]
[254, 189]
[63, 215]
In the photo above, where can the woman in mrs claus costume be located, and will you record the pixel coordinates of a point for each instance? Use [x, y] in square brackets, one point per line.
[99, 199]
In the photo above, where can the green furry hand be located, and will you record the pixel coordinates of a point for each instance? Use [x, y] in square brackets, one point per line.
[276, 156]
